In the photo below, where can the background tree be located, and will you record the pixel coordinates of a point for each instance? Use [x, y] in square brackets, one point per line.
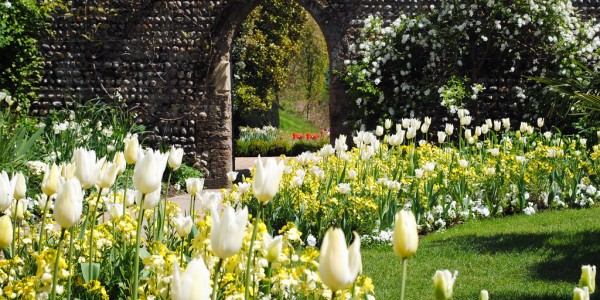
[313, 67]
[261, 55]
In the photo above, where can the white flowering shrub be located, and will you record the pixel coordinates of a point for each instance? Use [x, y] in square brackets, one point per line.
[467, 53]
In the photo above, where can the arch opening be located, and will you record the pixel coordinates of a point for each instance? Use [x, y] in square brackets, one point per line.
[280, 76]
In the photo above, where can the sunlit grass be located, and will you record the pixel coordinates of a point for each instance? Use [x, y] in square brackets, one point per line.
[289, 123]
[517, 257]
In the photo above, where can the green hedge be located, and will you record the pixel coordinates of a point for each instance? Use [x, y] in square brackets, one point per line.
[276, 147]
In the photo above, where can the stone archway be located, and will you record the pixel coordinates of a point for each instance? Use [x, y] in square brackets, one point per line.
[332, 32]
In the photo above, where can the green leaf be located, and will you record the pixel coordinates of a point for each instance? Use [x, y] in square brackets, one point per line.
[144, 253]
[6, 253]
[85, 271]
[194, 232]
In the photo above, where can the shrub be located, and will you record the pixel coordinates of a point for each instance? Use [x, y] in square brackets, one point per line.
[304, 145]
[467, 53]
[94, 124]
[22, 25]
[19, 137]
[184, 172]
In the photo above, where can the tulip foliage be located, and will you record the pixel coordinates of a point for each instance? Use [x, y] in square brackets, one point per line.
[82, 237]
[88, 243]
[480, 169]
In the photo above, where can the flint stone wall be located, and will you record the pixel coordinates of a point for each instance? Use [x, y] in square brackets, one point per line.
[162, 56]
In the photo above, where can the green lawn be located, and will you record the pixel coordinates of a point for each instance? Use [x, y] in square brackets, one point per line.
[517, 257]
[289, 123]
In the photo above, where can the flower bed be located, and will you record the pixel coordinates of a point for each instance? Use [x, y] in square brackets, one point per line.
[259, 238]
[269, 141]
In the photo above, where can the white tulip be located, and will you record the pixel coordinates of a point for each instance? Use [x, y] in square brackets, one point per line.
[193, 284]
[449, 129]
[227, 232]
[272, 247]
[387, 123]
[148, 172]
[50, 181]
[150, 200]
[581, 293]
[339, 266]
[405, 239]
[6, 232]
[175, 157]
[194, 185]
[183, 225]
[6, 191]
[19, 185]
[540, 122]
[115, 210]
[132, 147]
[69, 202]
[108, 175]
[120, 161]
[443, 283]
[588, 278]
[266, 179]
[87, 168]
[232, 175]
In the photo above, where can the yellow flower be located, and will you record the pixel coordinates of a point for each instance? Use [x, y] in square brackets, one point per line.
[132, 147]
[405, 239]
[50, 181]
[6, 232]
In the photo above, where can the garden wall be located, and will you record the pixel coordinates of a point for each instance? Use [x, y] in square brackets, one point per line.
[169, 61]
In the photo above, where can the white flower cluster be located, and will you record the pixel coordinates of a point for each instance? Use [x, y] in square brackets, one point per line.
[265, 133]
[586, 194]
[397, 64]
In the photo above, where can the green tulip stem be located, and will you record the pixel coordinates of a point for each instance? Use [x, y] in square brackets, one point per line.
[353, 291]
[215, 290]
[404, 265]
[127, 173]
[254, 230]
[136, 259]
[162, 211]
[42, 227]
[92, 220]
[182, 246]
[333, 294]
[192, 209]
[269, 279]
[16, 240]
[56, 260]
[14, 216]
[69, 255]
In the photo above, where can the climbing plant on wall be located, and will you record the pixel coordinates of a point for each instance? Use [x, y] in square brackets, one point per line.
[467, 53]
[22, 24]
